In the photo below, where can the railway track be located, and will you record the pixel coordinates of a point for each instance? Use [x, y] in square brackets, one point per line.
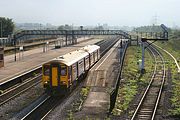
[41, 109]
[8, 84]
[21, 77]
[49, 103]
[21, 83]
[147, 107]
[13, 92]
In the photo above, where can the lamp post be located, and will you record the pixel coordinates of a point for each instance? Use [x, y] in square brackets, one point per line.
[1, 30]
[14, 47]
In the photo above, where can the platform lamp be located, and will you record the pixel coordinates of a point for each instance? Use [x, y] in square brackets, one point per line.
[1, 29]
[2, 33]
[14, 39]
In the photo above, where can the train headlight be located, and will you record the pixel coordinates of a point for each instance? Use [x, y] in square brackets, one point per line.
[46, 84]
[63, 82]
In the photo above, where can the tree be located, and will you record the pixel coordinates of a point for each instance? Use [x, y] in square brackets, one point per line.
[61, 27]
[100, 27]
[7, 26]
[65, 27]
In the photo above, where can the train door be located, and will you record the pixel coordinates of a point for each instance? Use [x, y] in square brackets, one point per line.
[54, 77]
[74, 72]
[91, 59]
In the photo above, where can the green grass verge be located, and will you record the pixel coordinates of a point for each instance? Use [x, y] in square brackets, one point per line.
[77, 104]
[132, 79]
[173, 47]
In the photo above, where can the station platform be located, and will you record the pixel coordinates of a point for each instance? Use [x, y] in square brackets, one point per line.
[101, 79]
[31, 44]
[36, 57]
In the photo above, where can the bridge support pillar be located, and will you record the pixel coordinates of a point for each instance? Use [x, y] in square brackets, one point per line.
[73, 38]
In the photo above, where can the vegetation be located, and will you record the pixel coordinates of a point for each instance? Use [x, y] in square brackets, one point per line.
[7, 26]
[173, 44]
[175, 99]
[173, 47]
[65, 27]
[77, 104]
[70, 115]
[133, 80]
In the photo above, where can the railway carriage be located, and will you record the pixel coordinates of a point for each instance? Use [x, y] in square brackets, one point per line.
[94, 53]
[62, 73]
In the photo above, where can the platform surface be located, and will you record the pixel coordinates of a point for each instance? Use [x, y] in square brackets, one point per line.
[101, 78]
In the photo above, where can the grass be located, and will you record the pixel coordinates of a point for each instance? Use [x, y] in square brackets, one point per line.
[175, 99]
[77, 104]
[133, 80]
[173, 47]
[70, 115]
[175, 77]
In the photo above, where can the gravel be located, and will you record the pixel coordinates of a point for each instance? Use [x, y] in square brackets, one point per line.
[61, 112]
[13, 107]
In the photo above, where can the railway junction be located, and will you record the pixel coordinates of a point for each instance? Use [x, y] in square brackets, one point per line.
[95, 96]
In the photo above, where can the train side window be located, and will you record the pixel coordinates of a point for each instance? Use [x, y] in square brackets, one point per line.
[63, 70]
[92, 58]
[46, 70]
[80, 63]
[87, 61]
[69, 71]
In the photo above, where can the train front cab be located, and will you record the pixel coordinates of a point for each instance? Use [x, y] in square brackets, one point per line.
[56, 78]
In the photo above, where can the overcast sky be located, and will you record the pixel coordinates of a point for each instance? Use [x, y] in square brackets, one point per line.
[92, 12]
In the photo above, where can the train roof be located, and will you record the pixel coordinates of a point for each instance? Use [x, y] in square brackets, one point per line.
[90, 48]
[71, 58]
[74, 56]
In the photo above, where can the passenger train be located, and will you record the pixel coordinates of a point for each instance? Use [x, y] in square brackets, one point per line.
[64, 72]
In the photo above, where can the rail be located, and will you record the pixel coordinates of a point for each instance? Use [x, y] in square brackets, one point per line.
[152, 113]
[20, 77]
[178, 67]
[39, 108]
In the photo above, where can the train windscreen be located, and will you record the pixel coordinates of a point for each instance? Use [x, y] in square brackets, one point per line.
[63, 70]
